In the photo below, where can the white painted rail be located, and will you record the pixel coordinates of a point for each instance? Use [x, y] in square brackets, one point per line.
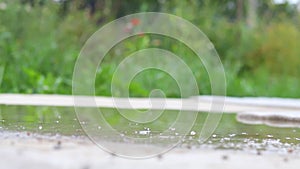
[203, 103]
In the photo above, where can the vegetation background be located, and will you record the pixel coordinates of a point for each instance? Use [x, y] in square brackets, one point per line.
[257, 40]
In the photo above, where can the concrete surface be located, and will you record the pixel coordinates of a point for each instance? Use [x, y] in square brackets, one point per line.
[197, 103]
[31, 151]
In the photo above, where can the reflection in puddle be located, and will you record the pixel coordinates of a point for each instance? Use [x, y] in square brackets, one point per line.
[230, 134]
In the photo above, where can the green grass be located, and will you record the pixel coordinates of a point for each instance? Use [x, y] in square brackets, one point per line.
[39, 47]
[2, 68]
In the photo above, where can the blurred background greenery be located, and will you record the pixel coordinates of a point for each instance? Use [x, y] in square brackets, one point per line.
[257, 40]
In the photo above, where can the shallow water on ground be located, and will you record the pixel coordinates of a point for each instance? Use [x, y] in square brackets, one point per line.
[230, 134]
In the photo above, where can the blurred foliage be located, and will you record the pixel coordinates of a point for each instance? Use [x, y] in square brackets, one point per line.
[41, 39]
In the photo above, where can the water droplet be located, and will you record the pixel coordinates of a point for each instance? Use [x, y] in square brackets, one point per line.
[227, 139]
[133, 124]
[83, 122]
[144, 132]
[232, 135]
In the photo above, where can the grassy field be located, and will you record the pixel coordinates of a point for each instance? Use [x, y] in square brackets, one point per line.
[39, 47]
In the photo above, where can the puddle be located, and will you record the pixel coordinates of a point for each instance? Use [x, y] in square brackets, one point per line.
[230, 134]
